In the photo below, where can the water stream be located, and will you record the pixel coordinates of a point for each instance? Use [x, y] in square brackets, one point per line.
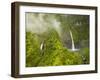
[41, 46]
[73, 44]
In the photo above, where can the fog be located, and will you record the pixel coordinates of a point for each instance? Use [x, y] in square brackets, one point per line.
[39, 23]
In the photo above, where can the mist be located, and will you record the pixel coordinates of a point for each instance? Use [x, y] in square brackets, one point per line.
[40, 23]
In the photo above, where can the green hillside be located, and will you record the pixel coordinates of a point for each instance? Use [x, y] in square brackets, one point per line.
[57, 41]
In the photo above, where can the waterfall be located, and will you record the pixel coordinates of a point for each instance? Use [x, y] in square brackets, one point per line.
[73, 45]
[41, 49]
[41, 46]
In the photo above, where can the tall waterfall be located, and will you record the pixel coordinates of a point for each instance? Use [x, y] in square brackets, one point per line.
[73, 45]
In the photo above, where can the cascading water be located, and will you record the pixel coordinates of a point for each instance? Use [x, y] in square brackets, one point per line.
[73, 45]
[41, 46]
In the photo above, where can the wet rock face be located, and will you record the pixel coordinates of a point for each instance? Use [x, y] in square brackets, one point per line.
[84, 43]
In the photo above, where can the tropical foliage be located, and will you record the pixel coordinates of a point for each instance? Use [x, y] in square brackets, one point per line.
[52, 32]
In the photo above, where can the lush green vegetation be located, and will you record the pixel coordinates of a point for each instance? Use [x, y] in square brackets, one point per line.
[52, 30]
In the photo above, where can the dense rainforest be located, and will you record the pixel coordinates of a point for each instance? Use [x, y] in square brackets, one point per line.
[56, 39]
